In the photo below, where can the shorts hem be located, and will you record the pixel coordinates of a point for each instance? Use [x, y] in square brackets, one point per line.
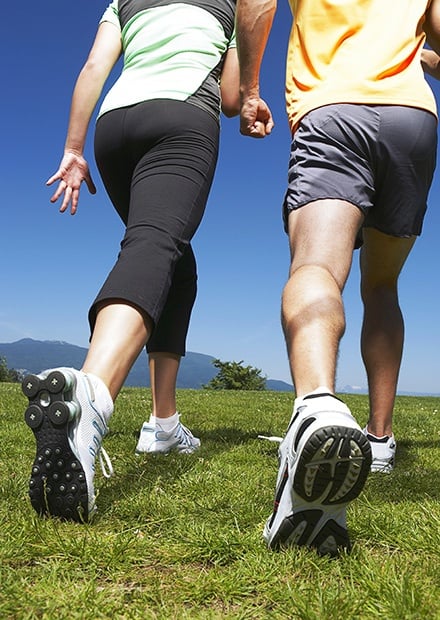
[288, 209]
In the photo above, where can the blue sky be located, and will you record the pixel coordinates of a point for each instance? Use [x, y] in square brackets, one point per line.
[53, 264]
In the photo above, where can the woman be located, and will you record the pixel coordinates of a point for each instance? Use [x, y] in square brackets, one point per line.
[156, 146]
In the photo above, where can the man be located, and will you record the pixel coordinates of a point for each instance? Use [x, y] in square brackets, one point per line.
[364, 128]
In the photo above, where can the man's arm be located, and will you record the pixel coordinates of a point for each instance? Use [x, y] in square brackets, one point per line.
[432, 25]
[431, 63]
[253, 23]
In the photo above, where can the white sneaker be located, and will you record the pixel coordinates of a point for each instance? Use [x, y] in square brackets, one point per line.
[383, 450]
[324, 463]
[153, 439]
[69, 429]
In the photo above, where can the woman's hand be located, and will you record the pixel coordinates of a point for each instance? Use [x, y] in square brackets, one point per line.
[73, 170]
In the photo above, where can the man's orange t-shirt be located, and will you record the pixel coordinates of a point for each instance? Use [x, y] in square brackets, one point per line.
[356, 51]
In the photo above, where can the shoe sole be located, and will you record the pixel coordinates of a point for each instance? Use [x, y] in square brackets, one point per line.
[386, 468]
[184, 450]
[331, 472]
[156, 447]
[57, 485]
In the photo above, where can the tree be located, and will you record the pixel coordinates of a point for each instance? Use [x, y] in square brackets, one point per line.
[8, 375]
[235, 376]
[16, 376]
[4, 371]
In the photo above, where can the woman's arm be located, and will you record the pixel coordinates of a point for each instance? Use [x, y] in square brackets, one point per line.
[73, 169]
[229, 84]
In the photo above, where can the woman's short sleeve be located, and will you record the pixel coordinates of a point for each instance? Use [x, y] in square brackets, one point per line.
[111, 14]
[232, 41]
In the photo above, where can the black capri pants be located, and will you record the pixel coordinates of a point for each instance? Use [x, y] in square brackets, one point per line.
[157, 161]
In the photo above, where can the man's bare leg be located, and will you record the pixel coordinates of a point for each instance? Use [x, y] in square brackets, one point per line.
[324, 458]
[322, 236]
[382, 258]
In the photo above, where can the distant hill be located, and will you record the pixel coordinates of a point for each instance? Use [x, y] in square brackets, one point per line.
[356, 389]
[30, 355]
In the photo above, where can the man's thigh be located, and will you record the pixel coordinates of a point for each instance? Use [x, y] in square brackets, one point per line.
[323, 233]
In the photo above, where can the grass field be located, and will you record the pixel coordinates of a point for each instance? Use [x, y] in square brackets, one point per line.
[179, 537]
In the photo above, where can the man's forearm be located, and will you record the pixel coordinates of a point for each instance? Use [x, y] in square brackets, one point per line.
[254, 21]
[432, 25]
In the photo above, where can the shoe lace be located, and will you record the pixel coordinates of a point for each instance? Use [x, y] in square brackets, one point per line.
[105, 463]
[270, 438]
[184, 433]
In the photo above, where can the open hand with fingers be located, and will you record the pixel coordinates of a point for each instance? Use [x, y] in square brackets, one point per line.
[73, 170]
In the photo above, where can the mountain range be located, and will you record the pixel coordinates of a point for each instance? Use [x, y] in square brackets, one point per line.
[33, 356]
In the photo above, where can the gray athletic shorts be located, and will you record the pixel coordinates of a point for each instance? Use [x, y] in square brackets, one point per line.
[379, 158]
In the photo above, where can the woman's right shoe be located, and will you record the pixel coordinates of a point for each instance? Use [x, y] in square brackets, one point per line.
[69, 428]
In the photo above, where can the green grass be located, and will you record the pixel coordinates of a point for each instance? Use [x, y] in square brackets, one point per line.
[179, 537]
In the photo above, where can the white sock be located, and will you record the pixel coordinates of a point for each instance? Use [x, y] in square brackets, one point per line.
[166, 424]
